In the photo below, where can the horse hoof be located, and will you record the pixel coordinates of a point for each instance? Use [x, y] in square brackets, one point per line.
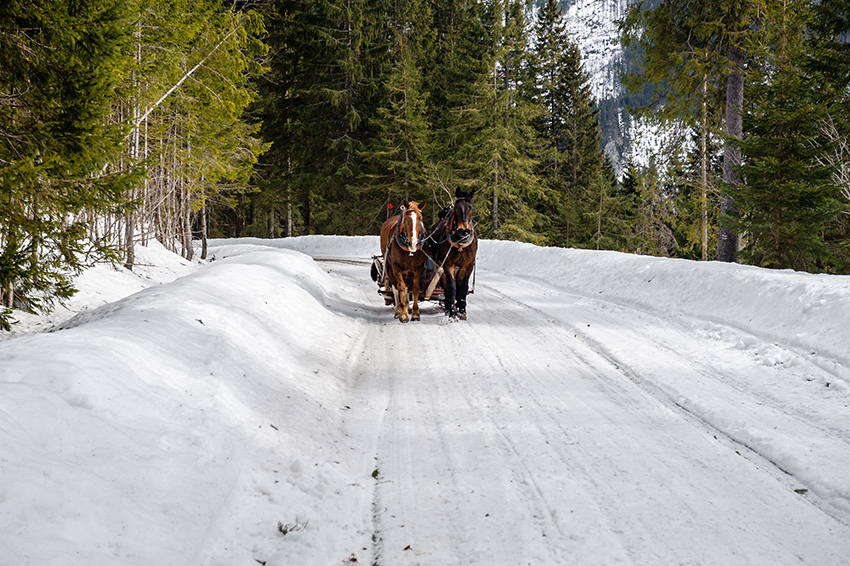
[404, 317]
[461, 315]
[415, 317]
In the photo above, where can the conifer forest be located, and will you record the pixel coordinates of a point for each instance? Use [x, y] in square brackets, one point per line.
[123, 121]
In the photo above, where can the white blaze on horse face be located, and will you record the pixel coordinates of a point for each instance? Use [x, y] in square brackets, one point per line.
[414, 226]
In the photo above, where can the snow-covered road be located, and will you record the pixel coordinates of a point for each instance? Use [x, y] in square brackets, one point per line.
[556, 429]
[596, 408]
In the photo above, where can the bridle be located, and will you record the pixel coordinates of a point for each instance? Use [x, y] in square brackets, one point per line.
[459, 238]
[401, 238]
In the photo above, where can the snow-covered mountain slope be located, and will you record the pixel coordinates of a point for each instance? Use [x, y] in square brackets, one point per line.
[592, 25]
[265, 408]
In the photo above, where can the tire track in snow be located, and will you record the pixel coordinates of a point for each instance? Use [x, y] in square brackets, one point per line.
[572, 332]
[400, 440]
[734, 434]
[585, 486]
[583, 468]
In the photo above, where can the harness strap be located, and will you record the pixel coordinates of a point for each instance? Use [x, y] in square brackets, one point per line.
[436, 277]
[400, 239]
[462, 243]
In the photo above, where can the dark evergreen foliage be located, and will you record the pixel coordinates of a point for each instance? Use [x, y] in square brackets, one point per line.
[118, 120]
[367, 102]
[788, 196]
[372, 101]
[783, 166]
[59, 65]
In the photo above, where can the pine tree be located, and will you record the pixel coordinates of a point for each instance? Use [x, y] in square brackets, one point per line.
[463, 49]
[59, 65]
[397, 158]
[695, 222]
[693, 54]
[574, 165]
[184, 98]
[788, 197]
[581, 144]
[828, 67]
[494, 153]
[322, 86]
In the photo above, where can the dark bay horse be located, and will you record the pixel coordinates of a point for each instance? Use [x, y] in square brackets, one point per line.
[402, 237]
[453, 244]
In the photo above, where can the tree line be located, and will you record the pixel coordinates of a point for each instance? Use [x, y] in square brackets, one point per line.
[127, 120]
[370, 102]
[120, 121]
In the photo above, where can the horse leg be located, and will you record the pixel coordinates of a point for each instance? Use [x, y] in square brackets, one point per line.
[462, 290]
[402, 301]
[449, 290]
[395, 301]
[416, 284]
[389, 277]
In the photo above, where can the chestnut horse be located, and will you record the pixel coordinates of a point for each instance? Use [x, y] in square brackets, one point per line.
[402, 236]
[453, 244]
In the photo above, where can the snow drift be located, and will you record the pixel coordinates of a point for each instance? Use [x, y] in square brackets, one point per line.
[231, 412]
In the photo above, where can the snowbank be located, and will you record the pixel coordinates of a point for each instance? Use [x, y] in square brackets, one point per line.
[801, 310]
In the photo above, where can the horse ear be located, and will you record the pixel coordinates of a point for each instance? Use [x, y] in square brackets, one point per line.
[422, 204]
[405, 203]
[471, 193]
[458, 192]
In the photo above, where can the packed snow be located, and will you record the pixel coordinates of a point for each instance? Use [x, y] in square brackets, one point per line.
[264, 407]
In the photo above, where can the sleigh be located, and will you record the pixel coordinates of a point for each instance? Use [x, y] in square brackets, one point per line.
[431, 273]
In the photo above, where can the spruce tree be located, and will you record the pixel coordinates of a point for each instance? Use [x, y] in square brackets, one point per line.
[691, 53]
[789, 196]
[463, 50]
[321, 92]
[397, 158]
[581, 145]
[495, 153]
[59, 65]
[695, 222]
[828, 66]
[574, 166]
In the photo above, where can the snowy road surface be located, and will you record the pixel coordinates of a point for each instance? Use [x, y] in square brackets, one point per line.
[597, 410]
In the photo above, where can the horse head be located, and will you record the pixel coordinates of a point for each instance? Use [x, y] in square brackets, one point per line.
[410, 233]
[460, 223]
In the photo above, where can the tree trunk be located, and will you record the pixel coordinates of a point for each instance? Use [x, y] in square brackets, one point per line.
[704, 170]
[495, 211]
[272, 223]
[727, 245]
[129, 233]
[204, 231]
[288, 196]
[599, 218]
[188, 250]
